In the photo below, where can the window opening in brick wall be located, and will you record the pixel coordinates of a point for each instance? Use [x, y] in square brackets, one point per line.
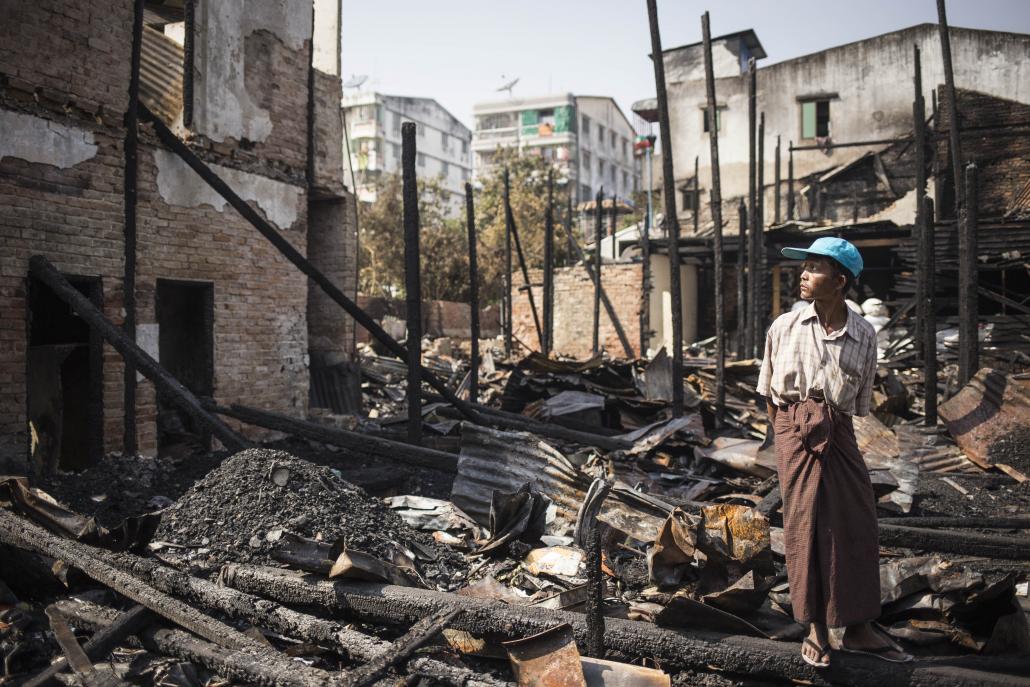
[64, 387]
[185, 345]
[815, 119]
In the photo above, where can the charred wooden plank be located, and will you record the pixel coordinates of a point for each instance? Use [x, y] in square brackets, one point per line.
[420, 633]
[704, 650]
[355, 441]
[166, 384]
[967, 543]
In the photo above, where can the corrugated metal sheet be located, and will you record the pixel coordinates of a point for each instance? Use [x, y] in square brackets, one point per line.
[991, 406]
[160, 85]
[492, 460]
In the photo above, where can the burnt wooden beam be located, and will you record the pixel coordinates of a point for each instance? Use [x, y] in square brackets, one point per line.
[929, 327]
[697, 193]
[759, 278]
[286, 621]
[131, 173]
[100, 645]
[548, 340]
[790, 181]
[421, 632]
[645, 252]
[1001, 523]
[76, 657]
[24, 534]
[292, 254]
[188, 53]
[595, 594]
[776, 198]
[752, 210]
[524, 267]
[968, 282]
[598, 231]
[846, 144]
[412, 282]
[716, 193]
[966, 543]
[955, 147]
[353, 441]
[264, 667]
[470, 224]
[741, 281]
[669, 197]
[757, 659]
[168, 386]
[506, 301]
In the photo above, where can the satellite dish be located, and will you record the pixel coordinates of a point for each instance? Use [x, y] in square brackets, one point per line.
[508, 86]
[355, 80]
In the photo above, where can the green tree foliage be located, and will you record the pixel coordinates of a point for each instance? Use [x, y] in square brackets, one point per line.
[444, 241]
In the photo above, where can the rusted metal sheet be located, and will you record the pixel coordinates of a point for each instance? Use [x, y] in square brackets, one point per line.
[161, 74]
[601, 673]
[990, 407]
[875, 438]
[547, 659]
[492, 460]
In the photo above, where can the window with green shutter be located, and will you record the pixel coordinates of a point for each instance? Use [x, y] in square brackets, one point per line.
[815, 119]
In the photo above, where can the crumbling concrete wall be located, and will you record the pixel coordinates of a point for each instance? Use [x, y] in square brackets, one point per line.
[332, 247]
[574, 309]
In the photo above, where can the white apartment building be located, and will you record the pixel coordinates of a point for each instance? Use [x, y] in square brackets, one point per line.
[374, 132]
[589, 139]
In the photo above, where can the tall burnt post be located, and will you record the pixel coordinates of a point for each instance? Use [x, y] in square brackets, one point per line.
[598, 235]
[129, 274]
[548, 341]
[752, 209]
[716, 200]
[412, 282]
[506, 300]
[470, 223]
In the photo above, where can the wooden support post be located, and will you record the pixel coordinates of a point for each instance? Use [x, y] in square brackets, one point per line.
[776, 199]
[790, 180]
[527, 285]
[645, 252]
[752, 207]
[613, 226]
[188, 52]
[671, 221]
[741, 282]
[548, 340]
[412, 282]
[716, 199]
[131, 147]
[968, 341]
[758, 280]
[929, 328]
[953, 124]
[935, 165]
[595, 593]
[506, 301]
[697, 194]
[166, 385]
[598, 231]
[470, 223]
[293, 255]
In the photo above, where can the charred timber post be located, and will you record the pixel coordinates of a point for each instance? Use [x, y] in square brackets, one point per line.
[548, 340]
[167, 385]
[752, 209]
[412, 282]
[506, 301]
[968, 341]
[129, 276]
[759, 278]
[697, 194]
[720, 327]
[595, 594]
[919, 136]
[595, 345]
[790, 180]
[188, 53]
[524, 267]
[776, 200]
[470, 223]
[929, 260]
[953, 125]
[741, 282]
[645, 252]
[701, 649]
[671, 221]
[293, 255]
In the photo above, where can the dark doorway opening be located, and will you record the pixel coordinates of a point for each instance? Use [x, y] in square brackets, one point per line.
[185, 320]
[64, 380]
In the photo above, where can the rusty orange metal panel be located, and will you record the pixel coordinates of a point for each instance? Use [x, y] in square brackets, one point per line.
[990, 407]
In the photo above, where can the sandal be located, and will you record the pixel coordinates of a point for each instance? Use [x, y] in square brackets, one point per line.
[824, 651]
[881, 652]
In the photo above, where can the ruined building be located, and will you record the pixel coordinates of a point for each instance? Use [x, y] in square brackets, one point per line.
[255, 96]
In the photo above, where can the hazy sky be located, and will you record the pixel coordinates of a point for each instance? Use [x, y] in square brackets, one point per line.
[456, 51]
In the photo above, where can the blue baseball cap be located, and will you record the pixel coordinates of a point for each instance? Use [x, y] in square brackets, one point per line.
[840, 250]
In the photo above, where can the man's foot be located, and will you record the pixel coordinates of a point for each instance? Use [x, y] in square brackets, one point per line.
[815, 648]
[865, 638]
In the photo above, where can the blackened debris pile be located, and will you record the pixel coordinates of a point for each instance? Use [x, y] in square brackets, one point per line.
[240, 510]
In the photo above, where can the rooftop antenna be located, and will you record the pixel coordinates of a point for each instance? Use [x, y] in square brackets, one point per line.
[355, 81]
[508, 86]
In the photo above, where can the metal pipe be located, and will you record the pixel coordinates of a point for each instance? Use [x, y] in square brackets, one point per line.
[412, 282]
[716, 200]
[470, 223]
[671, 221]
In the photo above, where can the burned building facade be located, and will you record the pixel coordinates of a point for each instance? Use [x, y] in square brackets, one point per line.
[254, 92]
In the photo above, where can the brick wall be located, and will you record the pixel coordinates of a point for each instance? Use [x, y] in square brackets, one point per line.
[574, 309]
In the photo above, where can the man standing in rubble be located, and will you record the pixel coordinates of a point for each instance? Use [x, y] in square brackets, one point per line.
[817, 372]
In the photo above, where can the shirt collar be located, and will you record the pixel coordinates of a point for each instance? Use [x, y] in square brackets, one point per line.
[809, 313]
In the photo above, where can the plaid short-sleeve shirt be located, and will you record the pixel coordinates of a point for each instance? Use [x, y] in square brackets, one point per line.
[801, 358]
